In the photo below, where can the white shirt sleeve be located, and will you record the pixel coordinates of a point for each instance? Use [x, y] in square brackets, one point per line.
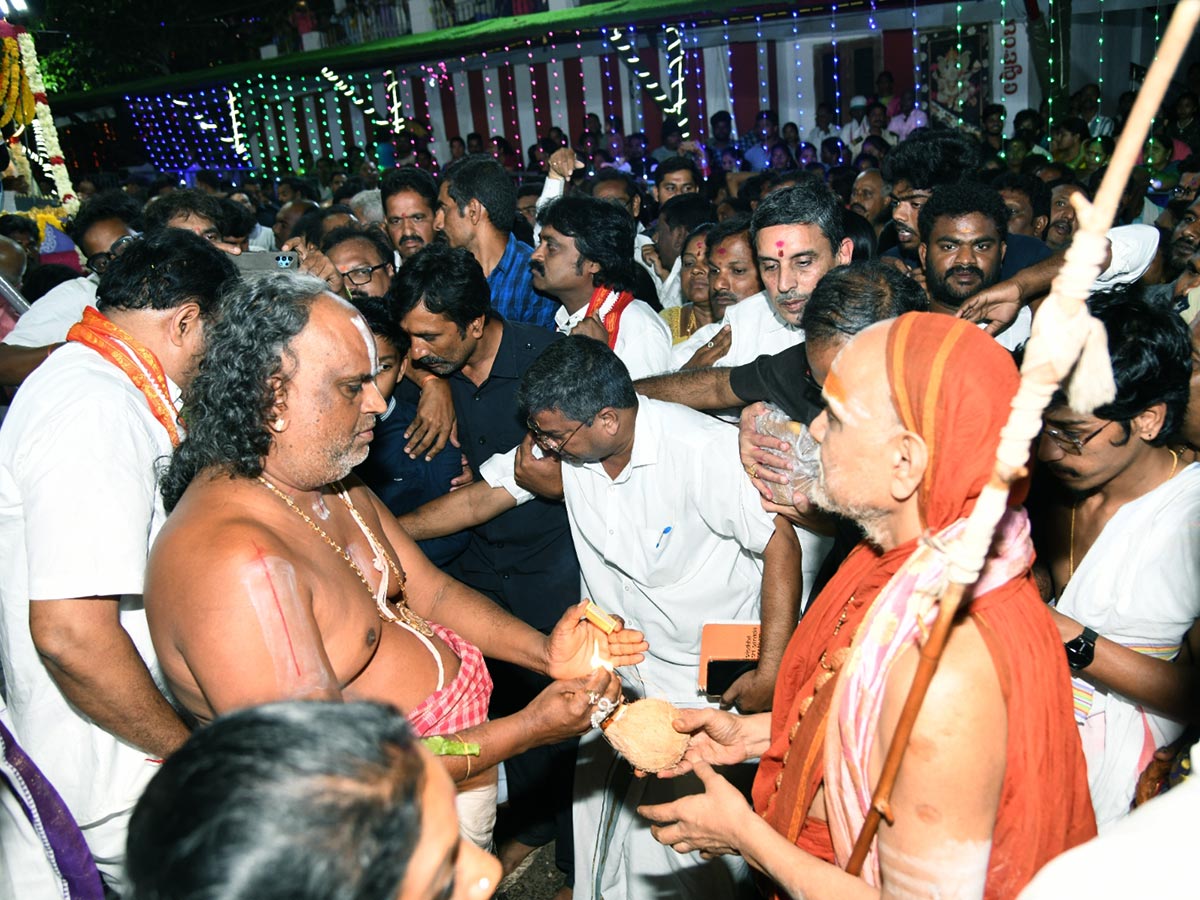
[48, 320]
[643, 341]
[87, 477]
[685, 350]
[729, 503]
[552, 189]
[500, 470]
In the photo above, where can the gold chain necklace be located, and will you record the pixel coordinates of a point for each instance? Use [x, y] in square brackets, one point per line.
[1071, 538]
[389, 610]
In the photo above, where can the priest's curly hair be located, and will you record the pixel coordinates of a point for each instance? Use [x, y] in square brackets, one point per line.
[230, 403]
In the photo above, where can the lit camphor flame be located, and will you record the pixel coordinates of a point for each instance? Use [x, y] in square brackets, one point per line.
[598, 661]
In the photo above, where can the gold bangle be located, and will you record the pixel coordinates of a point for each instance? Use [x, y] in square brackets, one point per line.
[457, 737]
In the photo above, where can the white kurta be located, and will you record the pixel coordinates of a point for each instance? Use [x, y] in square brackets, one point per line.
[48, 320]
[757, 329]
[643, 340]
[79, 507]
[673, 541]
[1138, 585]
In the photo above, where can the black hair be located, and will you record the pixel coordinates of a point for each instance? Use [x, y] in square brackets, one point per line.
[861, 232]
[1032, 187]
[769, 114]
[686, 211]
[605, 175]
[480, 177]
[964, 198]
[1151, 353]
[1067, 182]
[722, 231]
[372, 236]
[303, 800]
[102, 207]
[849, 299]
[877, 142]
[700, 231]
[381, 318]
[578, 377]
[841, 182]
[301, 187]
[677, 164]
[233, 396]
[932, 158]
[40, 280]
[603, 234]
[1075, 125]
[164, 270]
[991, 109]
[236, 221]
[447, 280]
[352, 186]
[808, 203]
[409, 178]
[721, 115]
[11, 225]
[311, 225]
[531, 189]
[184, 202]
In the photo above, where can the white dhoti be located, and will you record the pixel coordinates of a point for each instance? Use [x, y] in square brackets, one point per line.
[1138, 585]
[616, 856]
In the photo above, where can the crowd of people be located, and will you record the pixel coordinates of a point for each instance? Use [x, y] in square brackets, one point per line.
[382, 439]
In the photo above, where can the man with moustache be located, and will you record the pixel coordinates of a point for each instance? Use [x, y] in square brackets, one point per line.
[1028, 202]
[869, 198]
[733, 277]
[524, 559]
[584, 259]
[1062, 224]
[476, 206]
[409, 201]
[963, 232]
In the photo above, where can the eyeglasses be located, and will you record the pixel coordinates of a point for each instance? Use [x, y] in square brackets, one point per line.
[362, 275]
[549, 442]
[98, 262]
[1068, 443]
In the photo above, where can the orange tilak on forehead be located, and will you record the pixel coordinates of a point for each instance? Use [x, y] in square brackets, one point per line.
[834, 389]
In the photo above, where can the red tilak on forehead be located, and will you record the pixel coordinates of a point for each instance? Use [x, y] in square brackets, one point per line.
[721, 251]
[779, 246]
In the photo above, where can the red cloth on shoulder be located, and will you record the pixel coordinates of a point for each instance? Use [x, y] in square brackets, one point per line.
[952, 385]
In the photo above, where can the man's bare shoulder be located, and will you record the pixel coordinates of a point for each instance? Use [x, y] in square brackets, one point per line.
[220, 525]
[965, 692]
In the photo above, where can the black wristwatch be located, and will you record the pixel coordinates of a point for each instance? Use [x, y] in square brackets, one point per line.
[1081, 650]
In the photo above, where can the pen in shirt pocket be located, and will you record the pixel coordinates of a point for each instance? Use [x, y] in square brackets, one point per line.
[665, 532]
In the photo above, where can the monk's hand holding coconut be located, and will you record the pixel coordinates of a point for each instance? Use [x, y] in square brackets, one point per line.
[717, 822]
[577, 646]
[719, 738]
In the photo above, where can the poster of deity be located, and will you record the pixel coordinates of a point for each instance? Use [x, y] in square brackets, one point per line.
[958, 76]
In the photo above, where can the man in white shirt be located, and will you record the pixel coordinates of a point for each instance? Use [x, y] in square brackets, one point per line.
[79, 507]
[797, 235]
[669, 534]
[858, 127]
[101, 230]
[584, 259]
[825, 127]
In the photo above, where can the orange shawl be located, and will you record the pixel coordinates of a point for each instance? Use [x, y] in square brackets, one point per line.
[138, 363]
[608, 304]
[951, 384]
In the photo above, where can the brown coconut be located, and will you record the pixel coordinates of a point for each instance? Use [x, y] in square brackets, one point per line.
[642, 732]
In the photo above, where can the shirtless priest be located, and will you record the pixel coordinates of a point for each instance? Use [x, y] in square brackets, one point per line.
[306, 586]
